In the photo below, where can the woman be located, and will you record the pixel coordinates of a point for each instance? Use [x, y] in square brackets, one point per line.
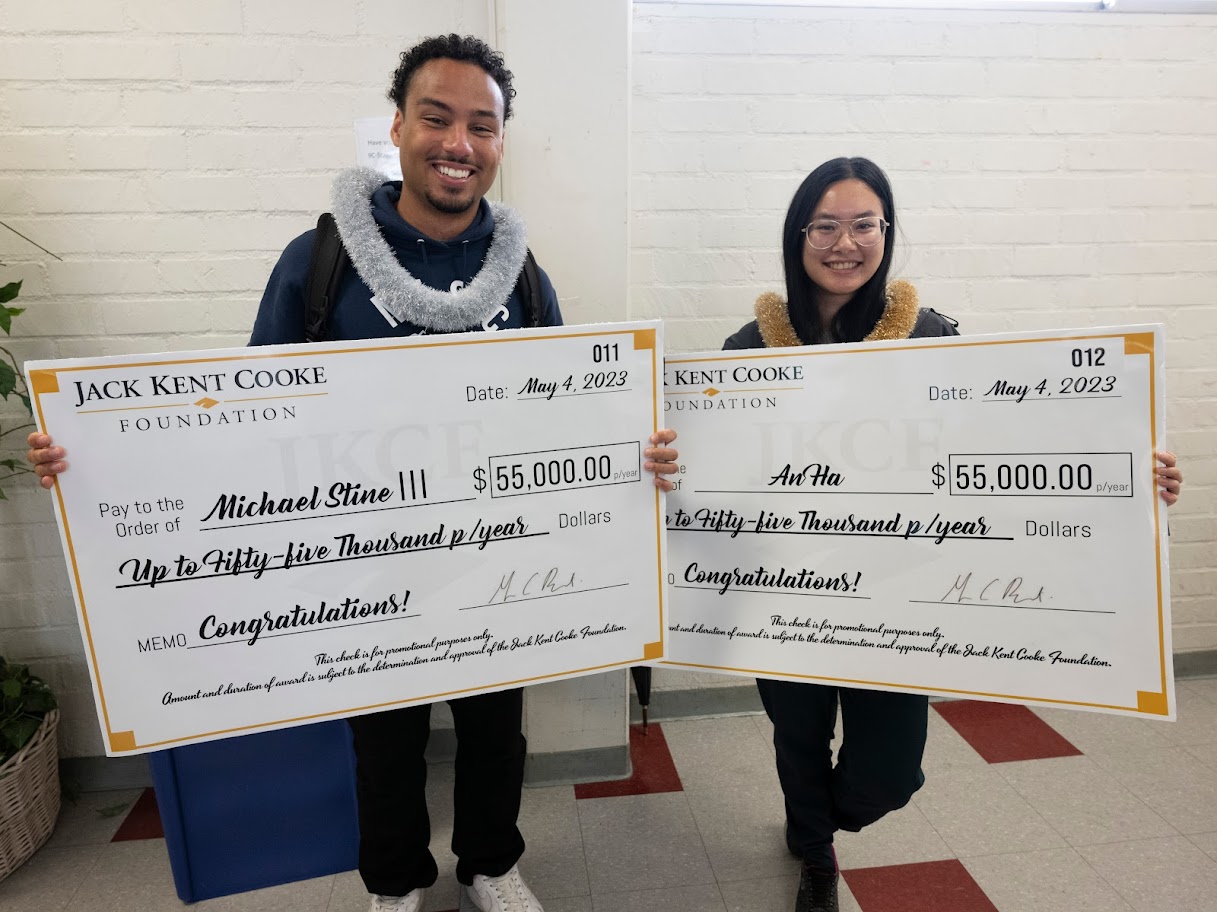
[836, 252]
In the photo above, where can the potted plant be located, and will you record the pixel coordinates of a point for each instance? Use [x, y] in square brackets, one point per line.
[12, 384]
[29, 717]
[29, 765]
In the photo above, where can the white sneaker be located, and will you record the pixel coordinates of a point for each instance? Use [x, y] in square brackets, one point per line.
[411, 902]
[508, 893]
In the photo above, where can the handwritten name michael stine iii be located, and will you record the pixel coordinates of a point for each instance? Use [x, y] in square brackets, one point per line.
[340, 494]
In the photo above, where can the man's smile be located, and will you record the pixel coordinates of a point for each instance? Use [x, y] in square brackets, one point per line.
[453, 172]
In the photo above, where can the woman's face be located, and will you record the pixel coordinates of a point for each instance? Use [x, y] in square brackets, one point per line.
[841, 269]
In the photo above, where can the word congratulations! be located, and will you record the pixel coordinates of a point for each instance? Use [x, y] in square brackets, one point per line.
[760, 577]
[255, 627]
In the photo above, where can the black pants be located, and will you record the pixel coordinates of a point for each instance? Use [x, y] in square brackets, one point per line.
[878, 765]
[391, 776]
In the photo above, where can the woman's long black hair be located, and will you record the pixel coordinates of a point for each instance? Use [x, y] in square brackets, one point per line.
[859, 316]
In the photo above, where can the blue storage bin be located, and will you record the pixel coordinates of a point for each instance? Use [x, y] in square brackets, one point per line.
[259, 810]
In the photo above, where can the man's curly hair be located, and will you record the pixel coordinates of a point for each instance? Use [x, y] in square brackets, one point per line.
[464, 48]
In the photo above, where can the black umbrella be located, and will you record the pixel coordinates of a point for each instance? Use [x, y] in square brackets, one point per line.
[642, 685]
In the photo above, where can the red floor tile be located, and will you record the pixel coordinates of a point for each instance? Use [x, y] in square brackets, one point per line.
[1002, 732]
[654, 770]
[935, 886]
[143, 820]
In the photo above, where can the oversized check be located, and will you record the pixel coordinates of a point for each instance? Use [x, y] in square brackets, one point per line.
[967, 517]
[264, 537]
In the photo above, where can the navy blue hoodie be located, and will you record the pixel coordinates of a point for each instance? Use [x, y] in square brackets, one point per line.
[444, 265]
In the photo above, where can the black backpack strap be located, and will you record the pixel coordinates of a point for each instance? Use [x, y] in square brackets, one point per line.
[529, 287]
[327, 263]
[954, 323]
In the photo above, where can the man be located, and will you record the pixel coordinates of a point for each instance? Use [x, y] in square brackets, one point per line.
[430, 255]
[417, 246]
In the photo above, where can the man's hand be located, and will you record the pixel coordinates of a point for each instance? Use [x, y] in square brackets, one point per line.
[1170, 477]
[661, 458]
[46, 458]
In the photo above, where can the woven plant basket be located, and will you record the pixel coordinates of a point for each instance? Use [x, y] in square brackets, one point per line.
[29, 796]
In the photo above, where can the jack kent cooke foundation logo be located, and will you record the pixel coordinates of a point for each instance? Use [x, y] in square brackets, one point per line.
[252, 394]
[745, 386]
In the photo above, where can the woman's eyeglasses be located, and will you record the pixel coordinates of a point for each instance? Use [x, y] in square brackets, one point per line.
[866, 232]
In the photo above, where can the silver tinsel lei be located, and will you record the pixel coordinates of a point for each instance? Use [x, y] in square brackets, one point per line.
[402, 294]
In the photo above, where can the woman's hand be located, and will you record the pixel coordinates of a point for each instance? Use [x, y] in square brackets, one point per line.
[661, 458]
[1170, 477]
[46, 458]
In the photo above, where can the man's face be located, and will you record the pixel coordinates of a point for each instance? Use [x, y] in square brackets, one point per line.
[450, 136]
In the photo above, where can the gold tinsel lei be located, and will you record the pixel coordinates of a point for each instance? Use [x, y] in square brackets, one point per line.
[899, 317]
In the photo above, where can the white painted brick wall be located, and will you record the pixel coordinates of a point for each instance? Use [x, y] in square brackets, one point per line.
[1050, 169]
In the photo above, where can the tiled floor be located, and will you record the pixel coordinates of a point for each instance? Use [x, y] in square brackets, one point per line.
[1051, 811]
